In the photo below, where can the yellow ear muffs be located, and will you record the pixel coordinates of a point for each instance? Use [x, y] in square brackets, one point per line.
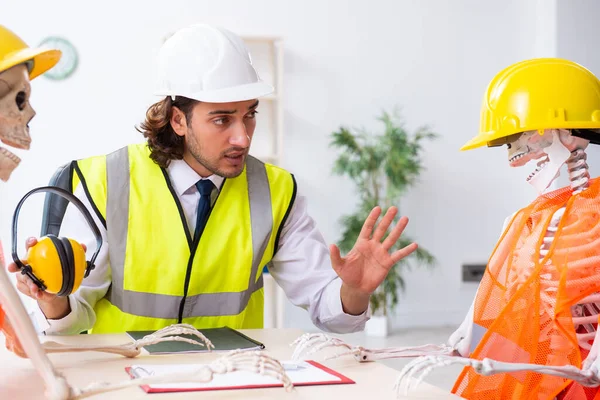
[56, 265]
[59, 263]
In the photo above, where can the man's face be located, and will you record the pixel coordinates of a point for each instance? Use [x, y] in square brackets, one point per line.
[15, 114]
[218, 137]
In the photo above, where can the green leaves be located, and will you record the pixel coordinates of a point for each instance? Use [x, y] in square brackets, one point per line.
[383, 166]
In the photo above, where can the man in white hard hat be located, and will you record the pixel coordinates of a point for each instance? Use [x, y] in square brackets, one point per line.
[189, 219]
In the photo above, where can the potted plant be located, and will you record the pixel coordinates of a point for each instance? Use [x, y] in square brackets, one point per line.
[383, 166]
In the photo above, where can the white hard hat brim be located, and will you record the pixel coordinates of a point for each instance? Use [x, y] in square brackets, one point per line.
[227, 95]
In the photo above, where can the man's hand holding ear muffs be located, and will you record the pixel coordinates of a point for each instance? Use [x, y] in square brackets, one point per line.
[53, 306]
[55, 266]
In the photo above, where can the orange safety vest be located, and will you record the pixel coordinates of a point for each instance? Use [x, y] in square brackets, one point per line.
[523, 306]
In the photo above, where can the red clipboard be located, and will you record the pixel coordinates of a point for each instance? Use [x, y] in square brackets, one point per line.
[343, 380]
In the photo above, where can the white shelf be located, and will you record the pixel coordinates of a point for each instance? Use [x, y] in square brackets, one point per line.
[261, 39]
[267, 144]
[267, 57]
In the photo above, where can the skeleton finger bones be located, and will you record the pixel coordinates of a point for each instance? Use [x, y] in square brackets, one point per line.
[310, 343]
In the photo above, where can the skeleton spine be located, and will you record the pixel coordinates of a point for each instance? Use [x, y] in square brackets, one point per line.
[578, 171]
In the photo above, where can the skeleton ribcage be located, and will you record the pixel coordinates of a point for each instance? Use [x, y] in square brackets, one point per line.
[585, 313]
[585, 318]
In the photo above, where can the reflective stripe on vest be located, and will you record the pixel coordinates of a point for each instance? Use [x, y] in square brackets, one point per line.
[167, 306]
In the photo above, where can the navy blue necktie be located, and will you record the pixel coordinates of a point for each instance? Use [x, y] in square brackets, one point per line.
[205, 187]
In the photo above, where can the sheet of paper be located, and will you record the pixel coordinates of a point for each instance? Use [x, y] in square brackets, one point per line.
[301, 373]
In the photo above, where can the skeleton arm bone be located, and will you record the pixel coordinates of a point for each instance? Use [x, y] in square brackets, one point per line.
[588, 375]
[310, 343]
[56, 386]
[253, 361]
[422, 366]
[458, 344]
[134, 349]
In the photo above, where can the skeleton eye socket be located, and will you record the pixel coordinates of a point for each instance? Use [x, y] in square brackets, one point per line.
[21, 96]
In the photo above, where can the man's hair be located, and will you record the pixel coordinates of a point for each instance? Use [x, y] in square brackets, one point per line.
[165, 145]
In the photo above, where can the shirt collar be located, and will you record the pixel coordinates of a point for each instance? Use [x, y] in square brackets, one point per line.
[184, 178]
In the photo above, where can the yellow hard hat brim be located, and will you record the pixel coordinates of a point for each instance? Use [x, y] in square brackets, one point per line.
[43, 59]
[474, 143]
[485, 140]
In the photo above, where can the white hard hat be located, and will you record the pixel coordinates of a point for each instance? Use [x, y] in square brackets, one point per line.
[208, 63]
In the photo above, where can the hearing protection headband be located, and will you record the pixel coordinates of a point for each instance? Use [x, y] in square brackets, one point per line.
[26, 269]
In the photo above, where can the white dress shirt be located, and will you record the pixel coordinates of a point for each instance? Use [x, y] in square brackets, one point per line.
[301, 265]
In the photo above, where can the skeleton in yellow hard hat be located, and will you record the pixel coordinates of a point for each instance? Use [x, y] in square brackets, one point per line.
[531, 331]
[18, 65]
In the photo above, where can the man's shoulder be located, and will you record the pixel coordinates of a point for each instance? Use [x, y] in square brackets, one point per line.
[282, 182]
[141, 148]
[268, 165]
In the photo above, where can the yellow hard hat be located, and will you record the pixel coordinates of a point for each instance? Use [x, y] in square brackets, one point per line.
[537, 94]
[14, 51]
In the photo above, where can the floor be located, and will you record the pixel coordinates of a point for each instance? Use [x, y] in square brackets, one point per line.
[441, 377]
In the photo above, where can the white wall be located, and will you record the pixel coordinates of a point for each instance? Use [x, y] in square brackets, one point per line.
[345, 61]
[578, 30]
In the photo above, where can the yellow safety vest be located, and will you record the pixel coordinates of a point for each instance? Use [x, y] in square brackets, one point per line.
[159, 275]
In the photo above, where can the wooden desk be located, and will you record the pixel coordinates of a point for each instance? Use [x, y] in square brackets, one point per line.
[19, 381]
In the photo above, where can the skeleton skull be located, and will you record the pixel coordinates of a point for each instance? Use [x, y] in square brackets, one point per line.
[552, 149]
[15, 114]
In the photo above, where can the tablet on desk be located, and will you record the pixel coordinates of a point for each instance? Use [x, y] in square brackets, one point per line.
[224, 339]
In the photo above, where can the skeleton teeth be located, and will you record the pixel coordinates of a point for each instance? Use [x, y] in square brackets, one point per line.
[10, 155]
[516, 157]
[540, 167]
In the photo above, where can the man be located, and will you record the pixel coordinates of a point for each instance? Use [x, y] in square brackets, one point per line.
[190, 219]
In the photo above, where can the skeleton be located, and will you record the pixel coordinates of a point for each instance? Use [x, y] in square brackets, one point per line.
[15, 114]
[21, 338]
[552, 149]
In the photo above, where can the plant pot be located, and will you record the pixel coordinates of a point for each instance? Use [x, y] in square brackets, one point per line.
[377, 326]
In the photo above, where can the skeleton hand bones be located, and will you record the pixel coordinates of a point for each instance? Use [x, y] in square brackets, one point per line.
[310, 343]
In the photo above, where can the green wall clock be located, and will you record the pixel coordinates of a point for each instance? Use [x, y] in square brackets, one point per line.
[68, 62]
